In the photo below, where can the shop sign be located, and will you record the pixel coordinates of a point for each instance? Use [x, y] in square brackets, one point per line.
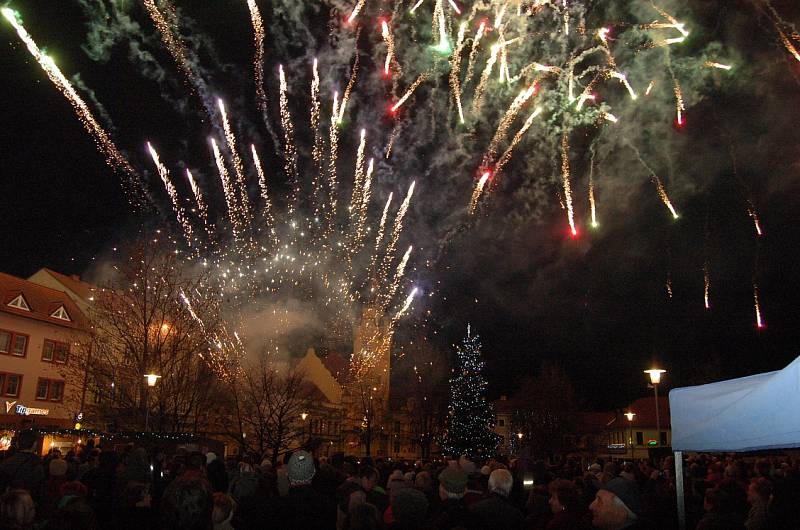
[25, 411]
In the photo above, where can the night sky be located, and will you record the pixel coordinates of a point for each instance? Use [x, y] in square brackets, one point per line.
[598, 303]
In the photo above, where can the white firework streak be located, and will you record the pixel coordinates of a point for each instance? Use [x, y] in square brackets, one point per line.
[289, 149]
[227, 191]
[396, 231]
[506, 157]
[243, 201]
[173, 195]
[114, 157]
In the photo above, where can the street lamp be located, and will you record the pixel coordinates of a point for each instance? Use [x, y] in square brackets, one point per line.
[655, 379]
[152, 379]
[630, 416]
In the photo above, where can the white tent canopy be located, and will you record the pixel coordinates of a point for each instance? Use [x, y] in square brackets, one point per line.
[747, 414]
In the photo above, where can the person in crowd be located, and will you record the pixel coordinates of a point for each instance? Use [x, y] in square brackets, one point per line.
[74, 512]
[617, 505]
[217, 475]
[23, 469]
[721, 512]
[187, 505]
[303, 508]
[17, 510]
[496, 511]
[222, 514]
[565, 502]
[366, 482]
[453, 512]
[102, 485]
[409, 510]
[758, 494]
[57, 471]
[135, 510]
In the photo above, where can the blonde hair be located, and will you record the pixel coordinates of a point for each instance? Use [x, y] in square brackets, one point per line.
[224, 506]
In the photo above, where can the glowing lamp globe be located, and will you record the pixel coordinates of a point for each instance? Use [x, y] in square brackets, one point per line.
[655, 375]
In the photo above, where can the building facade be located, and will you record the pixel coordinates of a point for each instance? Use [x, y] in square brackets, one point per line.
[40, 327]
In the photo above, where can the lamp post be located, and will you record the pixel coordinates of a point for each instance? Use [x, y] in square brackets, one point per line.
[152, 379]
[655, 379]
[630, 416]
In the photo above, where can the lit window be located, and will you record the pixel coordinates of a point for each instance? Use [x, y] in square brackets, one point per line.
[42, 389]
[48, 349]
[61, 352]
[61, 314]
[12, 385]
[20, 344]
[56, 390]
[20, 303]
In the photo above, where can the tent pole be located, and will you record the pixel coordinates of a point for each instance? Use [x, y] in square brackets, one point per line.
[679, 490]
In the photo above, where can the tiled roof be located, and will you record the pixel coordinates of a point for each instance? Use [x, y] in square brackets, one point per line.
[73, 283]
[645, 409]
[336, 365]
[43, 301]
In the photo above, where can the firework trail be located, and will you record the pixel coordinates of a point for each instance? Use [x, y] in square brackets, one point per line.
[258, 59]
[262, 186]
[358, 180]
[757, 305]
[258, 66]
[406, 305]
[202, 207]
[388, 38]
[171, 42]
[230, 198]
[477, 97]
[506, 157]
[350, 84]
[505, 123]
[455, 71]
[474, 53]
[289, 149]
[113, 156]
[333, 135]
[356, 11]
[381, 231]
[592, 204]
[668, 285]
[396, 231]
[440, 24]
[662, 192]
[398, 277]
[241, 198]
[366, 195]
[567, 186]
[410, 91]
[318, 149]
[476, 194]
[751, 208]
[163, 172]
[676, 88]
[706, 286]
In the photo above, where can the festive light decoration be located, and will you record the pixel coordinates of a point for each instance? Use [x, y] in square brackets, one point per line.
[470, 420]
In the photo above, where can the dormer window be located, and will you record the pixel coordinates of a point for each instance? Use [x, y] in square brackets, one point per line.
[61, 314]
[20, 303]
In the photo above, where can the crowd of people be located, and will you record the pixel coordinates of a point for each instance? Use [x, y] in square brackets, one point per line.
[89, 488]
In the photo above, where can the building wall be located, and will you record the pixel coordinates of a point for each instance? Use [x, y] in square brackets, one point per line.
[31, 367]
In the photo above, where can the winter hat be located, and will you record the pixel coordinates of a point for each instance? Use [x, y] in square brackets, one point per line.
[300, 468]
[595, 468]
[453, 480]
[58, 467]
[410, 508]
[210, 457]
[627, 492]
[466, 465]
[409, 476]
[486, 470]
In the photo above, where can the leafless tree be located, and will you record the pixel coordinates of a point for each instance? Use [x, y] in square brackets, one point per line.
[268, 403]
[140, 325]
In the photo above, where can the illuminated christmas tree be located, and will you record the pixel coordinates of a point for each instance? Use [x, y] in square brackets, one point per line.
[470, 418]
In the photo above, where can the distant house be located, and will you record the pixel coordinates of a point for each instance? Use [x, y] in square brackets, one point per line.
[40, 327]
